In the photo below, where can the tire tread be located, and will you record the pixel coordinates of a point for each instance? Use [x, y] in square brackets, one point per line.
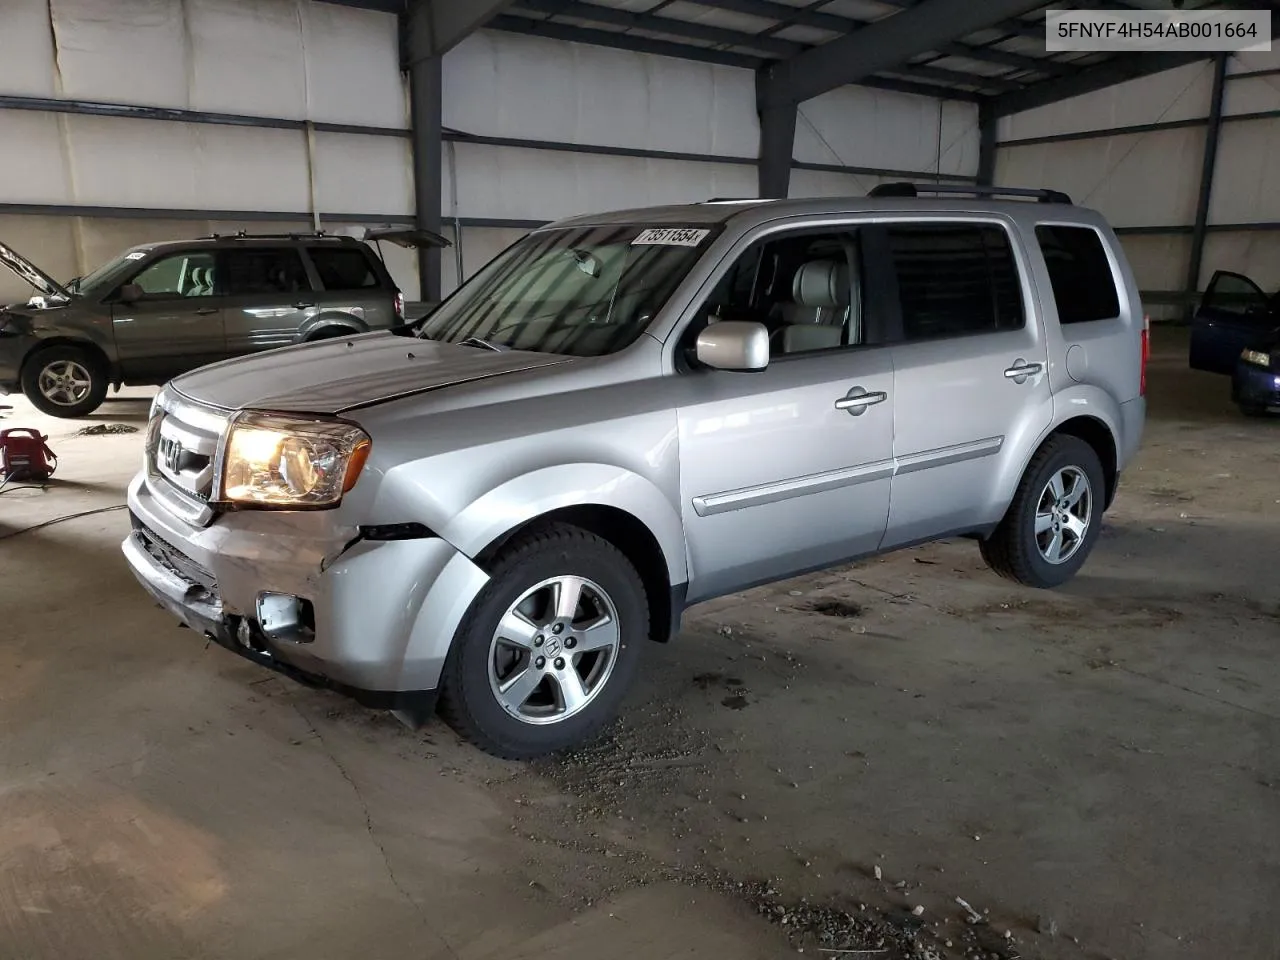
[452, 705]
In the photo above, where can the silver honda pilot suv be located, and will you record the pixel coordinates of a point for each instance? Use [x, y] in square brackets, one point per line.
[628, 413]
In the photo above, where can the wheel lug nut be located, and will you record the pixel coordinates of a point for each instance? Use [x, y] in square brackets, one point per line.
[559, 663]
[558, 628]
[540, 662]
[570, 643]
[537, 641]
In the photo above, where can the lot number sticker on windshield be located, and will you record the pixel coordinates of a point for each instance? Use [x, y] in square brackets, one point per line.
[670, 237]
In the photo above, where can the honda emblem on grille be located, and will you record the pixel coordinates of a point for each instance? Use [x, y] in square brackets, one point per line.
[170, 454]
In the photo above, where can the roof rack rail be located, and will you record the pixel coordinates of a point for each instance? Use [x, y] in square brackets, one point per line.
[294, 235]
[906, 189]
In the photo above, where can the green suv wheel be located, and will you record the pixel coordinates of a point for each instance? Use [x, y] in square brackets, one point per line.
[64, 381]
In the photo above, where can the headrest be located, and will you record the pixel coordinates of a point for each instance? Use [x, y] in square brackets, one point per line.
[821, 283]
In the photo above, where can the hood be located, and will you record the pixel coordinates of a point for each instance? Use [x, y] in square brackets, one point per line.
[29, 272]
[334, 376]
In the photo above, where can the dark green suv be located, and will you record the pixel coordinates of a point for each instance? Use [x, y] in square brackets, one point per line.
[159, 310]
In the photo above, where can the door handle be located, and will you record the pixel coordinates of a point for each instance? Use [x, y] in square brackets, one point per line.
[856, 401]
[205, 311]
[302, 306]
[1021, 370]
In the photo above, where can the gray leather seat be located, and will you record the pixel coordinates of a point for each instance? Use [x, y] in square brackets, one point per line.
[816, 319]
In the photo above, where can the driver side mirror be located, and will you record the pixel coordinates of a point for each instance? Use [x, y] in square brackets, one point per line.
[739, 345]
[130, 293]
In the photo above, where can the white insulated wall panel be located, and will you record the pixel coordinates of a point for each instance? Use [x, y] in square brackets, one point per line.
[505, 85]
[1149, 179]
[353, 66]
[26, 49]
[1254, 253]
[362, 174]
[126, 51]
[1246, 184]
[825, 183]
[861, 127]
[1251, 95]
[246, 57]
[520, 184]
[1181, 94]
[1261, 60]
[37, 171]
[144, 163]
[49, 242]
[1159, 262]
[288, 59]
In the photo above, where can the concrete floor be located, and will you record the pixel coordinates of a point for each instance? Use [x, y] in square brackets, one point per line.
[1094, 769]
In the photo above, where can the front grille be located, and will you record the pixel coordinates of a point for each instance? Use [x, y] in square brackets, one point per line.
[182, 447]
[198, 579]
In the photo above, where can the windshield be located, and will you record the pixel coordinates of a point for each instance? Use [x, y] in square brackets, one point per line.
[584, 292]
[109, 274]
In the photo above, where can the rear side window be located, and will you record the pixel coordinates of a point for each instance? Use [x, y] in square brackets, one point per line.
[955, 279]
[1080, 273]
[343, 268]
[262, 270]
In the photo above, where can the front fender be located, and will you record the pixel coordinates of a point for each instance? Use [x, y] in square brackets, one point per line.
[539, 492]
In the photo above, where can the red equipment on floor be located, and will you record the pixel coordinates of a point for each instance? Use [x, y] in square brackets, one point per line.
[25, 456]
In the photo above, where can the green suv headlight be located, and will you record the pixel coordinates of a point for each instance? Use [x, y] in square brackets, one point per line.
[1259, 357]
[277, 461]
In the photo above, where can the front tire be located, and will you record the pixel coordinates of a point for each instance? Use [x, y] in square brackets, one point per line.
[549, 647]
[1252, 410]
[1053, 522]
[64, 381]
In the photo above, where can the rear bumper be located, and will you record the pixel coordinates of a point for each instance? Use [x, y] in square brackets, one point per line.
[1254, 386]
[1133, 420]
[384, 613]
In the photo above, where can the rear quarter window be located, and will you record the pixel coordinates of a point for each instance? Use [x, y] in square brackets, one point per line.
[1084, 286]
[344, 268]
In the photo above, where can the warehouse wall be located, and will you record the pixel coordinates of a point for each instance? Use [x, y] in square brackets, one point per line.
[568, 128]
[215, 115]
[1147, 181]
[288, 62]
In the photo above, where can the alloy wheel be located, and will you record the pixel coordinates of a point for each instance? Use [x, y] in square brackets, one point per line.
[65, 383]
[554, 650]
[1063, 514]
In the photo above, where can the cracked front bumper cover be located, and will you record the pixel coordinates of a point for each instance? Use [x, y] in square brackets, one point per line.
[385, 613]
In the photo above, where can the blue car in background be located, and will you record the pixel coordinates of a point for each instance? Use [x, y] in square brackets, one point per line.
[1236, 331]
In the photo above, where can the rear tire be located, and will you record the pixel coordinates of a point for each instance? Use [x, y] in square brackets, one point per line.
[1046, 535]
[523, 679]
[65, 381]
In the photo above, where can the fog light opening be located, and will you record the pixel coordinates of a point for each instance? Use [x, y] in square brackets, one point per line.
[284, 617]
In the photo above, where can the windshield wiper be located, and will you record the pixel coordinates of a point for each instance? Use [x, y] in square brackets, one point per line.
[484, 344]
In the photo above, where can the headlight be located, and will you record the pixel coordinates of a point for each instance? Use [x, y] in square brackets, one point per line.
[1259, 357]
[276, 461]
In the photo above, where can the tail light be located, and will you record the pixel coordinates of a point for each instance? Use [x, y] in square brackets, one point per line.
[1146, 355]
[399, 306]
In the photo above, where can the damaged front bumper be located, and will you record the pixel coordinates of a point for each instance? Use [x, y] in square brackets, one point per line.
[379, 615]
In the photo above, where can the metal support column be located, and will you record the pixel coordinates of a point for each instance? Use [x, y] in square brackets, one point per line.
[1212, 135]
[425, 109]
[777, 140]
[987, 127]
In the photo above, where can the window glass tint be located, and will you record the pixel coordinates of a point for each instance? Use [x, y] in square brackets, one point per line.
[1237, 295]
[179, 275]
[803, 287]
[585, 292]
[1083, 284]
[955, 279]
[343, 268]
[257, 270]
